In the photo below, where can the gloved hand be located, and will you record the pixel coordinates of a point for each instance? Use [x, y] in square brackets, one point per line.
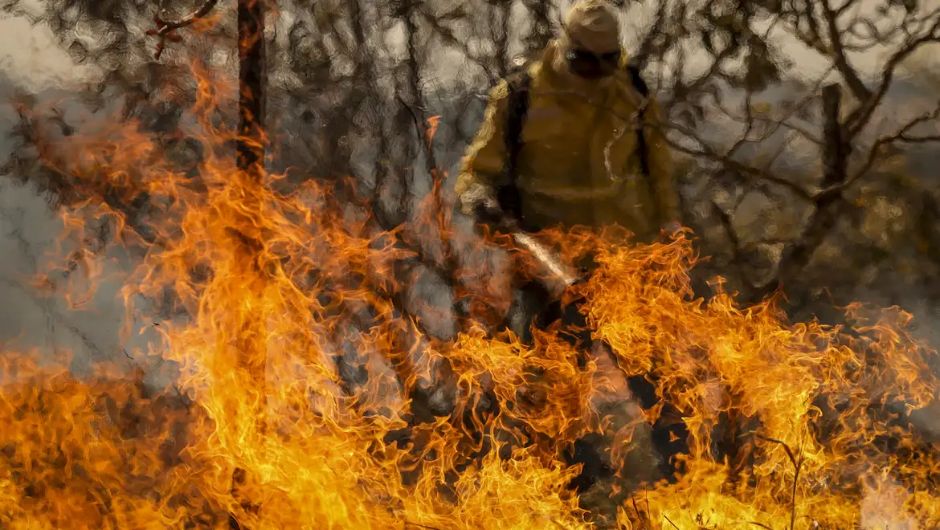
[670, 230]
[488, 211]
[479, 201]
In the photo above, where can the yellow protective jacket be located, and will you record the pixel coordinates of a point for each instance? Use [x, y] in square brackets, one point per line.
[578, 164]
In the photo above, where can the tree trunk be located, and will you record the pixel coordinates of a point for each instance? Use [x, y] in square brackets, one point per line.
[541, 32]
[250, 160]
[829, 206]
[251, 79]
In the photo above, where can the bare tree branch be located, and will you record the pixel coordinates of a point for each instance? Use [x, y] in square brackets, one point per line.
[841, 61]
[901, 135]
[166, 28]
[450, 38]
[666, 517]
[860, 118]
[797, 466]
[643, 51]
[728, 224]
[708, 152]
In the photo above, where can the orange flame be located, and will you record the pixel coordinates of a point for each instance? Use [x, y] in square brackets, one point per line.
[295, 401]
[432, 124]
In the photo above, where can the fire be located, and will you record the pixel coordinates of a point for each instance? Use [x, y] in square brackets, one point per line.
[260, 297]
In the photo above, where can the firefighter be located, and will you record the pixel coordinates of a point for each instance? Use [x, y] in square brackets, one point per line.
[574, 139]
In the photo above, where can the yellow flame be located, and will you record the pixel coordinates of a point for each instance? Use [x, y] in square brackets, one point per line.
[257, 292]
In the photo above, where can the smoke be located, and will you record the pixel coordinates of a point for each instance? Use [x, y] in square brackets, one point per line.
[47, 309]
[883, 506]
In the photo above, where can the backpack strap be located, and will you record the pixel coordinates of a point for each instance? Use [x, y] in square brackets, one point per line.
[508, 195]
[639, 84]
